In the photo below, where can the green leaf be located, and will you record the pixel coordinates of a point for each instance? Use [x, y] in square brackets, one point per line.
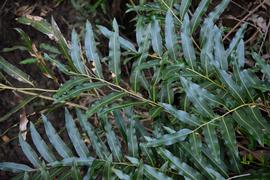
[240, 53]
[211, 140]
[169, 139]
[152, 173]
[120, 122]
[131, 135]
[107, 171]
[133, 160]
[206, 55]
[125, 44]
[49, 48]
[262, 64]
[201, 164]
[15, 167]
[138, 174]
[219, 9]
[75, 172]
[250, 80]
[170, 37]
[123, 105]
[120, 174]
[70, 161]
[29, 61]
[98, 145]
[75, 136]
[77, 90]
[236, 39]
[26, 176]
[67, 86]
[14, 48]
[91, 50]
[61, 42]
[235, 90]
[257, 116]
[167, 93]
[112, 139]
[14, 72]
[199, 12]
[63, 68]
[38, 23]
[187, 44]
[137, 77]
[29, 153]
[149, 171]
[245, 119]
[218, 166]
[75, 52]
[185, 4]
[156, 37]
[114, 53]
[196, 142]
[182, 168]
[25, 39]
[203, 100]
[147, 65]
[219, 50]
[148, 153]
[212, 17]
[140, 30]
[103, 102]
[182, 116]
[55, 140]
[228, 135]
[40, 144]
[19, 106]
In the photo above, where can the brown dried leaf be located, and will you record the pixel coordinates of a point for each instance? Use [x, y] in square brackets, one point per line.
[5, 138]
[25, 10]
[23, 124]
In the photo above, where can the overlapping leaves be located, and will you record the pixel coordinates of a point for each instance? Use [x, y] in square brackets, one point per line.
[196, 139]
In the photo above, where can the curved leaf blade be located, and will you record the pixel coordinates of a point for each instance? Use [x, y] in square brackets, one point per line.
[125, 44]
[103, 102]
[40, 144]
[131, 135]
[29, 153]
[170, 36]
[156, 37]
[182, 116]
[112, 139]
[185, 4]
[98, 145]
[56, 141]
[120, 174]
[199, 12]
[75, 136]
[75, 52]
[211, 140]
[91, 49]
[15, 167]
[78, 90]
[228, 135]
[169, 139]
[187, 44]
[14, 72]
[114, 53]
[244, 119]
[183, 169]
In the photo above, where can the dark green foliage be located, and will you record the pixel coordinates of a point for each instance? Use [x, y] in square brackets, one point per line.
[220, 100]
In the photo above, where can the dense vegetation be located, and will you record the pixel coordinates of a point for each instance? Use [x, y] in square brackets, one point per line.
[166, 107]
